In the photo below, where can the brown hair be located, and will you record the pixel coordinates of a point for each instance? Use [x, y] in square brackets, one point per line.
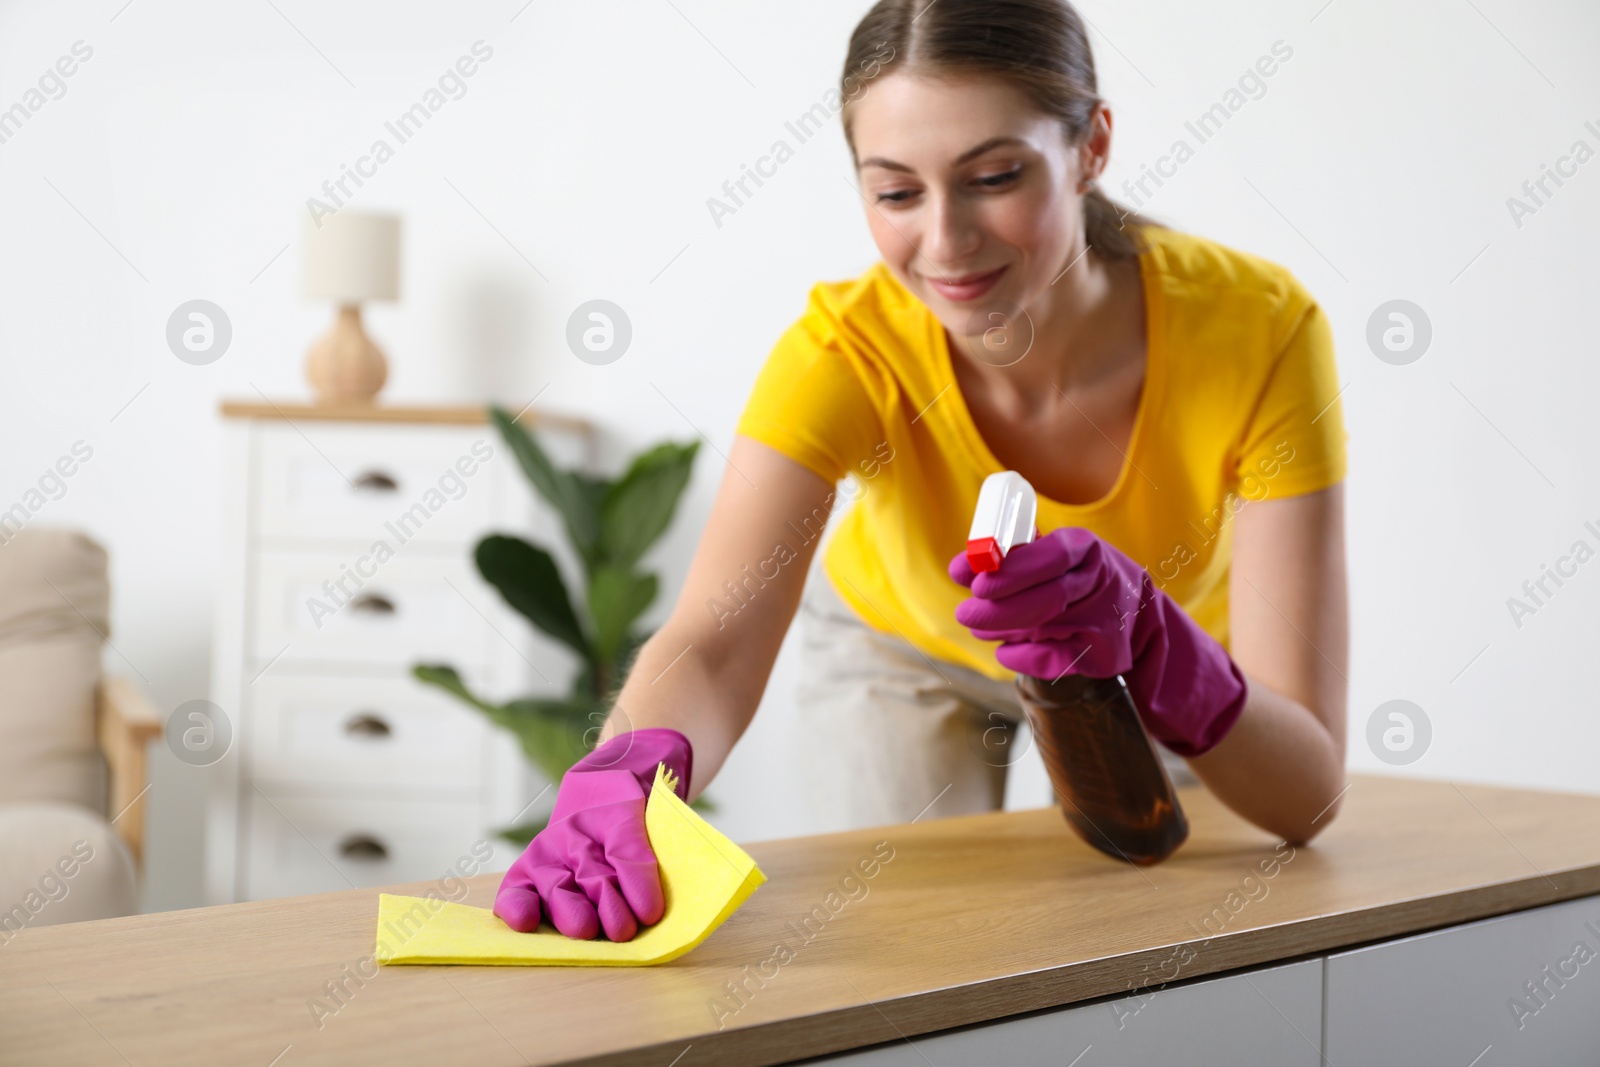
[1038, 45]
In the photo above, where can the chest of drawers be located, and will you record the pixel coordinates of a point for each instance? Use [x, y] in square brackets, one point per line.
[346, 559]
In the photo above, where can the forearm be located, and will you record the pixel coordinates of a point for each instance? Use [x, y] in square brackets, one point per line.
[1282, 766]
[678, 685]
[1279, 766]
[704, 671]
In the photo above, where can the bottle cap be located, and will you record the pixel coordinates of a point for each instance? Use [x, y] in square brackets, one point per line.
[1006, 516]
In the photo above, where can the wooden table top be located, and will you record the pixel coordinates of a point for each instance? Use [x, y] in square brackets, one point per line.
[971, 919]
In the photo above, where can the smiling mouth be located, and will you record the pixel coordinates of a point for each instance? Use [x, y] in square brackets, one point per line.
[967, 286]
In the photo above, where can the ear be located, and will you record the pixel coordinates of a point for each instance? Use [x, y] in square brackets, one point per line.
[1094, 151]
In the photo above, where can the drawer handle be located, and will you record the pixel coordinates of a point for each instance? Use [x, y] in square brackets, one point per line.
[376, 482]
[367, 724]
[373, 604]
[363, 847]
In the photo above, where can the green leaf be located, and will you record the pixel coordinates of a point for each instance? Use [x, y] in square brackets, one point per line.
[639, 507]
[617, 597]
[553, 733]
[586, 683]
[575, 496]
[589, 493]
[522, 833]
[445, 677]
[527, 578]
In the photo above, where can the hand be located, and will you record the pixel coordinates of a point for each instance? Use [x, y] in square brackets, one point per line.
[592, 867]
[1072, 603]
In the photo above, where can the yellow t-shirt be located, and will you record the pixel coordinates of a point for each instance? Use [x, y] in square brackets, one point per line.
[1240, 402]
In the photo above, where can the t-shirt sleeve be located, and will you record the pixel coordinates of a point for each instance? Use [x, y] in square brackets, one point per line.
[1294, 442]
[811, 401]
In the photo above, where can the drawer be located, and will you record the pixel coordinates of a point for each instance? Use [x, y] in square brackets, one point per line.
[431, 484]
[298, 845]
[341, 732]
[412, 608]
[1523, 988]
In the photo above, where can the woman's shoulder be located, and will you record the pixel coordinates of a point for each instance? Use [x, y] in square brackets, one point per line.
[868, 330]
[1215, 276]
[860, 308]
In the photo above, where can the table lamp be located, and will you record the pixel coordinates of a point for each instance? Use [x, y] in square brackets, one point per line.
[349, 257]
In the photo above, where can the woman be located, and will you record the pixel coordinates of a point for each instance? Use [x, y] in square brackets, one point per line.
[1173, 402]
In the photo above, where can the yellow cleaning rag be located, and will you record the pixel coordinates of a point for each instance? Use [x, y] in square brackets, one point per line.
[704, 877]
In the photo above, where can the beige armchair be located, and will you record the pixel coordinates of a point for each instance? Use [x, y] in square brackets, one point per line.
[72, 744]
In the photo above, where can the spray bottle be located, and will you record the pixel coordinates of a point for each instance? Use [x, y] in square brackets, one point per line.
[1113, 789]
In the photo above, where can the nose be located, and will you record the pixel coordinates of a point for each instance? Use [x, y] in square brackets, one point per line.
[950, 232]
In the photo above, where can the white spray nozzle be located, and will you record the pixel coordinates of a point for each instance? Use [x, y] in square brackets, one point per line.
[1006, 516]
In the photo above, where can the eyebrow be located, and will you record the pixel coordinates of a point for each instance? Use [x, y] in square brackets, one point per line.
[971, 153]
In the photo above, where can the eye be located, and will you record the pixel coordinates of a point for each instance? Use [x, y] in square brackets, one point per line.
[996, 181]
[895, 196]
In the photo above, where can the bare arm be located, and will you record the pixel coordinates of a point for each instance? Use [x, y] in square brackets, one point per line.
[1282, 764]
[704, 670]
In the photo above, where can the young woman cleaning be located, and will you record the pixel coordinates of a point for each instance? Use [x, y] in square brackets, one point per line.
[1173, 402]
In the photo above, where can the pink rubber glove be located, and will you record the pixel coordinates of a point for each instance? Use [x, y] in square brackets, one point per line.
[592, 866]
[1071, 603]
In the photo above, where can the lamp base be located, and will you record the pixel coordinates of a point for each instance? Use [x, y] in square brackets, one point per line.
[344, 366]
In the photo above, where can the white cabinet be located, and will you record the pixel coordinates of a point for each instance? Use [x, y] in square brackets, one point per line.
[1519, 989]
[311, 734]
[1269, 1016]
[412, 606]
[300, 845]
[347, 480]
[346, 560]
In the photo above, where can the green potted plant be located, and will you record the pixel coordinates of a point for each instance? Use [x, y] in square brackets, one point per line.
[610, 524]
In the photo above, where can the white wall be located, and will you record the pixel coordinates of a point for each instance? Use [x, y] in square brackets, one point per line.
[1376, 164]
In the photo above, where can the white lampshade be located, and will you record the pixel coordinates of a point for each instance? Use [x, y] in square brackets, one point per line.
[350, 257]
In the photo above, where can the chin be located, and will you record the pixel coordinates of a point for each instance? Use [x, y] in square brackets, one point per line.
[996, 308]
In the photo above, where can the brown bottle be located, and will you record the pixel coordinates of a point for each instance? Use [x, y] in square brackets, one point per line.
[1114, 790]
